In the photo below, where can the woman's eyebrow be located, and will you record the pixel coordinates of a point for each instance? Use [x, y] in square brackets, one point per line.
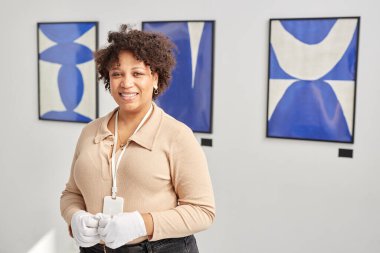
[138, 67]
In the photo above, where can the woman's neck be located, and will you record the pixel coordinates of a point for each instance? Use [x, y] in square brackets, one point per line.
[132, 120]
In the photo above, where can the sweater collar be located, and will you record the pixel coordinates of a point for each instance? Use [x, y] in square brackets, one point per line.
[144, 137]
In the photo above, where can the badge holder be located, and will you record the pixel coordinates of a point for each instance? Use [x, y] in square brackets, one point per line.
[112, 206]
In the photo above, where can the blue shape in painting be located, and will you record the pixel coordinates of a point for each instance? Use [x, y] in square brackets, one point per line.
[65, 33]
[68, 54]
[309, 116]
[319, 29]
[186, 99]
[74, 54]
[310, 109]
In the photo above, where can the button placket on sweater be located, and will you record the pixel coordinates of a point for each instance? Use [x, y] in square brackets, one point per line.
[105, 148]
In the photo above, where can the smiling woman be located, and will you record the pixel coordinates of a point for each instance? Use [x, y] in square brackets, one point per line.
[132, 83]
[157, 195]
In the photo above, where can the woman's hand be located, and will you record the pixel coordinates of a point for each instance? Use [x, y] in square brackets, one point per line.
[121, 228]
[84, 229]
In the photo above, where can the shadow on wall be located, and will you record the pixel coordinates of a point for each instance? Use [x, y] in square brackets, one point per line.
[46, 244]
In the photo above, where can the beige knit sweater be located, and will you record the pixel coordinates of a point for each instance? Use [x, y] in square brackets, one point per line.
[163, 172]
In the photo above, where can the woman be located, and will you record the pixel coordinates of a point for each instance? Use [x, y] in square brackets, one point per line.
[139, 180]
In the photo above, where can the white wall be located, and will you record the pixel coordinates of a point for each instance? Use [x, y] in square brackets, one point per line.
[272, 195]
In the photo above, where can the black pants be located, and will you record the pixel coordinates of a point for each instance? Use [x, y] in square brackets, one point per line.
[186, 244]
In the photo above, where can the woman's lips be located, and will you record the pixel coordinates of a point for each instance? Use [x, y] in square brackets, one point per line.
[128, 96]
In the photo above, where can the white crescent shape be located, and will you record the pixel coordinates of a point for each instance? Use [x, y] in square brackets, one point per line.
[311, 62]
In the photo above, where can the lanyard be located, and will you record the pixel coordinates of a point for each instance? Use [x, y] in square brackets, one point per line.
[114, 165]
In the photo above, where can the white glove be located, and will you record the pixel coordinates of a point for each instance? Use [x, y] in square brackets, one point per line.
[85, 228]
[121, 228]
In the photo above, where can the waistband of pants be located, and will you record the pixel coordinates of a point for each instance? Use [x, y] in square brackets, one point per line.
[136, 247]
[144, 246]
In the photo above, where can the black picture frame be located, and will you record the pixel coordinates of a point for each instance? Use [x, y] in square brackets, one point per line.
[312, 78]
[67, 78]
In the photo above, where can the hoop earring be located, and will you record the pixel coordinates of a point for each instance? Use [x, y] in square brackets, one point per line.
[155, 91]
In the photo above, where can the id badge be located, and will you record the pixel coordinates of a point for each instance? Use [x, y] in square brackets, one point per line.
[113, 206]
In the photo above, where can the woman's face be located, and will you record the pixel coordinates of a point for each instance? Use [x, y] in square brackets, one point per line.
[132, 83]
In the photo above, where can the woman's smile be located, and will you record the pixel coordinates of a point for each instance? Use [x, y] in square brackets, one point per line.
[128, 96]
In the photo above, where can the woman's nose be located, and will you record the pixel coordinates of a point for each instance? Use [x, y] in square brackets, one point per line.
[127, 82]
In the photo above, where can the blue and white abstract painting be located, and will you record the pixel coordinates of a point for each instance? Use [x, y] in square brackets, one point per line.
[189, 96]
[312, 78]
[67, 75]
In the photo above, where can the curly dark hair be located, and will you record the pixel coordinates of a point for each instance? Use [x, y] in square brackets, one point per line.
[154, 49]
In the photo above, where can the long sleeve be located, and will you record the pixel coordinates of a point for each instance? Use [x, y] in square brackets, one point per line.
[192, 184]
[71, 198]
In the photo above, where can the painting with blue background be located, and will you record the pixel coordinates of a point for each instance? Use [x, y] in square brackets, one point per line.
[66, 68]
[189, 96]
[312, 78]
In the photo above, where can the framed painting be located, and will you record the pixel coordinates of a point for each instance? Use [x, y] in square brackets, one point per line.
[67, 83]
[190, 94]
[312, 78]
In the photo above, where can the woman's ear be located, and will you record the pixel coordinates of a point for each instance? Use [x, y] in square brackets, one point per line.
[155, 81]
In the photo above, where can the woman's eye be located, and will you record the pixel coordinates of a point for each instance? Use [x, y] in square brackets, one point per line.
[137, 74]
[115, 74]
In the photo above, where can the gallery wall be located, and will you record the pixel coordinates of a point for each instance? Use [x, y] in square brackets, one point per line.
[272, 195]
